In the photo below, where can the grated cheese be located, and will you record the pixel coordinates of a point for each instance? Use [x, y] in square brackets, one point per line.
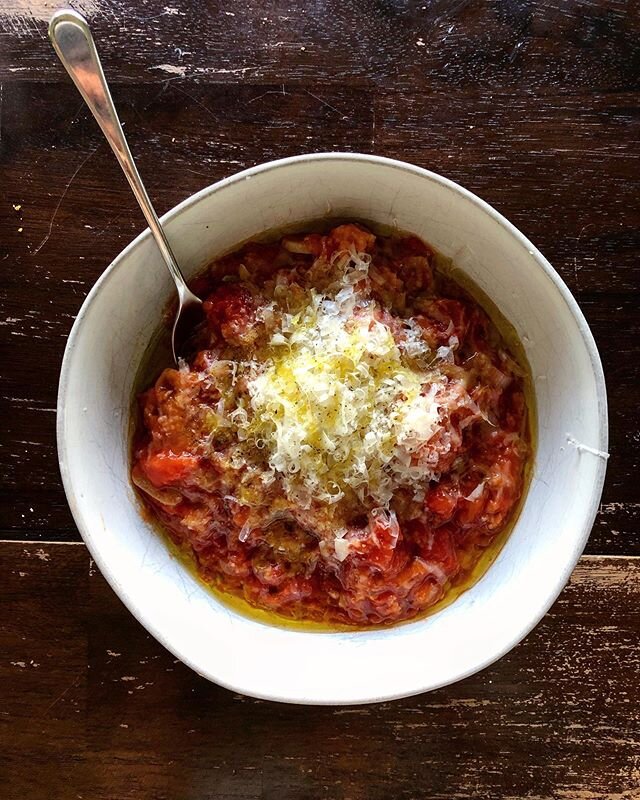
[338, 407]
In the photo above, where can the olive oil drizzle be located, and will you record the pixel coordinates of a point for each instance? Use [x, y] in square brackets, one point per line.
[158, 355]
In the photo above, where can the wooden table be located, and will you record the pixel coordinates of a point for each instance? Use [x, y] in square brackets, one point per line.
[534, 106]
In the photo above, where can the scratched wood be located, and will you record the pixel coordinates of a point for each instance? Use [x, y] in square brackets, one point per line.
[476, 43]
[92, 706]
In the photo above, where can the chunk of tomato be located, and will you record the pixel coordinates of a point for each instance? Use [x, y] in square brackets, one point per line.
[231, 309]
[376, 544]
[411, 246]
[349, 237]
[440, 548]
[443, 499]
[167, 469]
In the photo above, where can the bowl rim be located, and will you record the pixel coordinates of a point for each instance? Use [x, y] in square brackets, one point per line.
[589, 512]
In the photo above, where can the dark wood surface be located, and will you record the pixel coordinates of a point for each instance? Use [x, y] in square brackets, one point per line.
[534, 105]
[93, 707]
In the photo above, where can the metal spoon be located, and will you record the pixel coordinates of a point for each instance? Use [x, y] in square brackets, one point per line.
[73, 42]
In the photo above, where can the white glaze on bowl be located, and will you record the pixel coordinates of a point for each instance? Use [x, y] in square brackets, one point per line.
[103, 354]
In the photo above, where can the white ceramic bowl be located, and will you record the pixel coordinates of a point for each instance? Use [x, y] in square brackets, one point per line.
[115, 326]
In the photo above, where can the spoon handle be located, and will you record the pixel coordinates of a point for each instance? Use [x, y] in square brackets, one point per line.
[73, 42]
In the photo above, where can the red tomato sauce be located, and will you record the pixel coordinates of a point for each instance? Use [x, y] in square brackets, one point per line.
[220, 499]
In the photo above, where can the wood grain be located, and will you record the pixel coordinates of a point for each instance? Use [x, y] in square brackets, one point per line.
[533, 104]
[96, 707]
[590, 44]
